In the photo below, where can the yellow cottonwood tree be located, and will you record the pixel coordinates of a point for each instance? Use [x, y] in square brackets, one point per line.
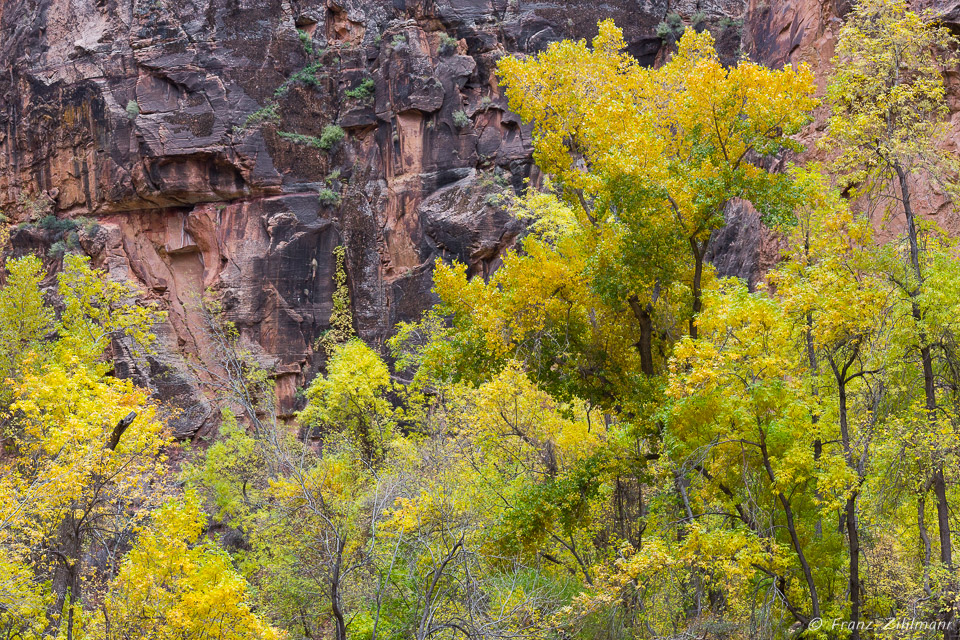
[84, 468]
[173, 585]
[658, 153]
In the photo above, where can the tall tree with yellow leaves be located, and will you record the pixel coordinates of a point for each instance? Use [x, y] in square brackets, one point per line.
[653, 156]
[887, 93]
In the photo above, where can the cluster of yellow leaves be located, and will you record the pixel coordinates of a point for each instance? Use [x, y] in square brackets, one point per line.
[85, 470]
[680, 132]
[174, 585]
[352, 398]
[64, 417]
[511, 418]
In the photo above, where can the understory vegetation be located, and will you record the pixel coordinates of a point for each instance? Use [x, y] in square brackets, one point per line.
[605, 440]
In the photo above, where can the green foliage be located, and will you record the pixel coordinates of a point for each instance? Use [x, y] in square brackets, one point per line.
[328, 197]
[174, 584]
[447, 42]
[85, 475]
[299, 138]
[341, 318]
[35, 207]
[351, 399]
[460, 118]
[53, 223]
[592, 435]
[306, 41]
[329, 137]
[671, 28]
[332, 134]
[887, 94]
[730, 23]
[306, 76]
[363, 91]
[398, 40]
[133, 109]
[268, 114]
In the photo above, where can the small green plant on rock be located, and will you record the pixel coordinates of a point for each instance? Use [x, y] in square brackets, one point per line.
[306, 41]
[133, 109]
[729, 23]
[362, 91]
[671, 28]
[51, 222]
[328, 197]
[461, 119]
[34, 208]
[332, 134]
[299, 138]
[269, 113]
[447, 42]
[306, 76]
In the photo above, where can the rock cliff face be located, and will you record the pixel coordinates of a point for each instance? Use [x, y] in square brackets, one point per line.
[190, 145]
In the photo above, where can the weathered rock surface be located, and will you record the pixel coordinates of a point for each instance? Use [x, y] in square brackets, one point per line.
[191, 131]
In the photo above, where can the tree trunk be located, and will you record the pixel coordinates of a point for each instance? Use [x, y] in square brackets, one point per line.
[925, 540]
[853, 532]
[939, 482]
[66, 576]
[645, 344]
[698, 255]
[853, 538]
[340, 628]
[792, 529]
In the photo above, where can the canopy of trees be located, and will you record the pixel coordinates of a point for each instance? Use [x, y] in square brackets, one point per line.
[603, 440]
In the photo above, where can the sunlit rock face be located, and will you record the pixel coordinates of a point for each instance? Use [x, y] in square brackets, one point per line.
[147, 118]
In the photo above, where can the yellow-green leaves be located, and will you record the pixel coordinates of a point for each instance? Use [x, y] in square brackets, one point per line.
[351, 398]
[887, 92]
[682, 133]
[174, 585]
[97, 309]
